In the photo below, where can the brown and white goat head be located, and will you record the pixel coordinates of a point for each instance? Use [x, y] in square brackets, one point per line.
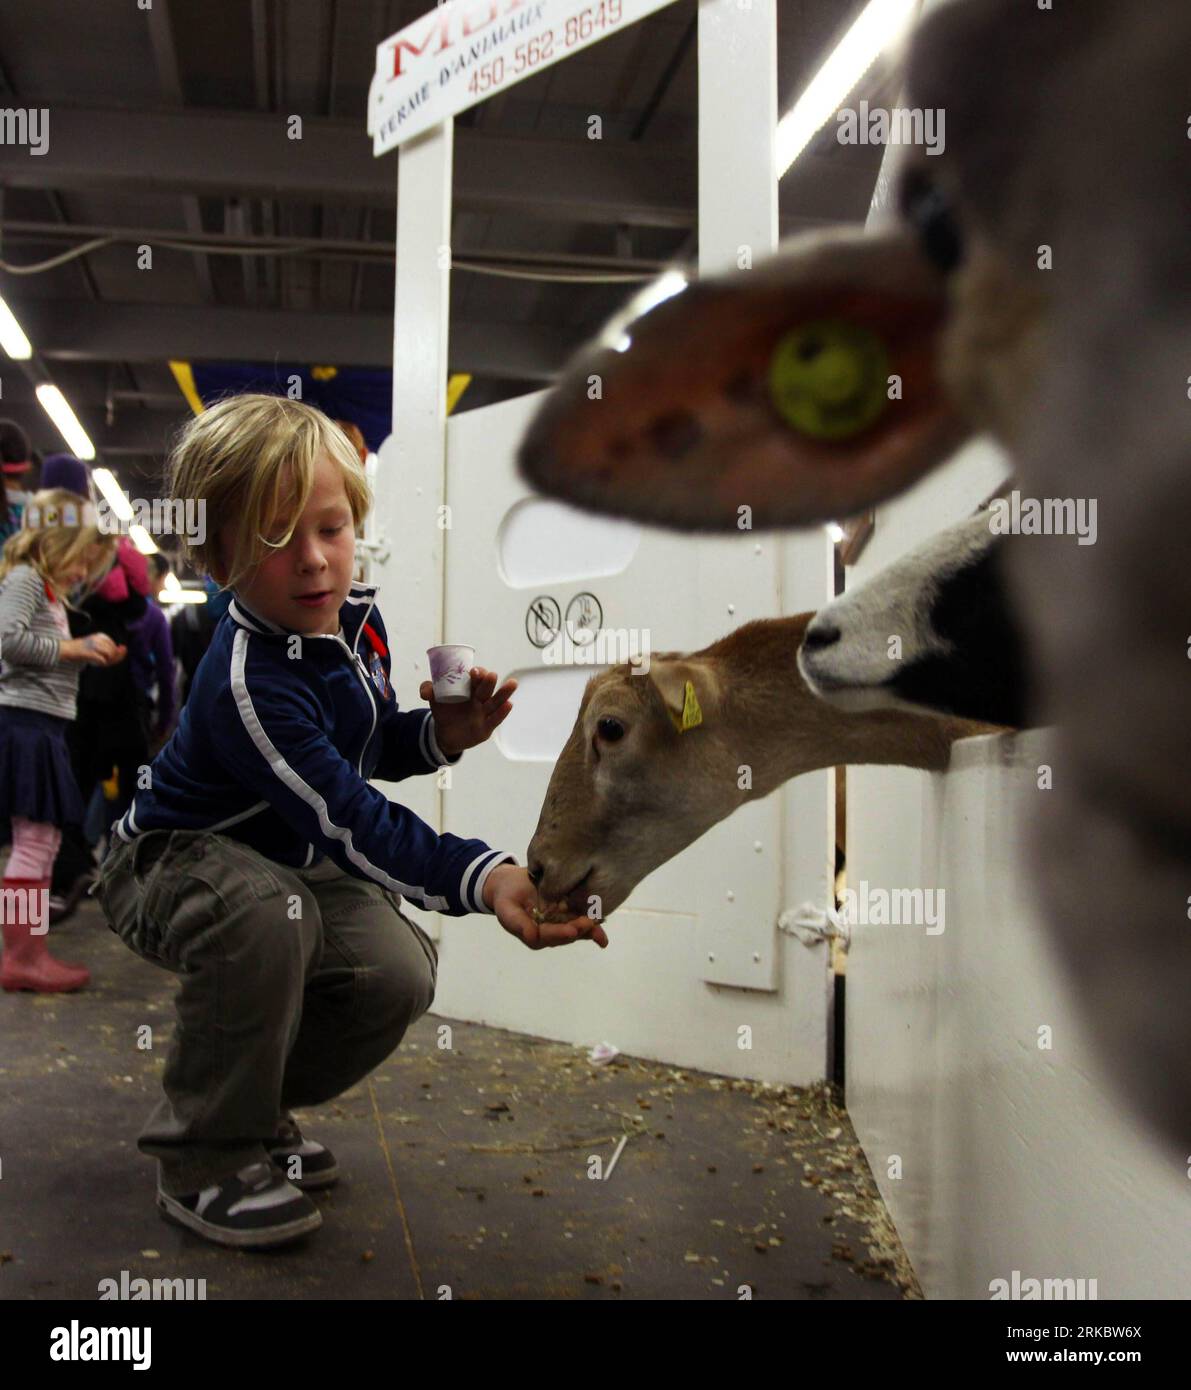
[662, 751]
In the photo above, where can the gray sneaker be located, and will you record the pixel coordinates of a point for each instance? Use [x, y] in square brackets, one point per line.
[256, 1207]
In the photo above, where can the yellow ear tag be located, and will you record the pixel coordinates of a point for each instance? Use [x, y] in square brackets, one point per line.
[692, 714]
[828, 379]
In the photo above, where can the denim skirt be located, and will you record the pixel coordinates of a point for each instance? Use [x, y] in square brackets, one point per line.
[36, 777]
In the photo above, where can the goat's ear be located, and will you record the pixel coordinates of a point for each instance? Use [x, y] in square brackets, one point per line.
[689, 690]
[800, 391]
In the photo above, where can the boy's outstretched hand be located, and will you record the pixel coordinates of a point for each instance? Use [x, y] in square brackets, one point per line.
[510, 894]
[463, 725]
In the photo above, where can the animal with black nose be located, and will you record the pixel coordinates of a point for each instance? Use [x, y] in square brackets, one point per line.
[935, 631]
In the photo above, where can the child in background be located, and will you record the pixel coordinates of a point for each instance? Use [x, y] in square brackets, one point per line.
[191, 631]
[113, 727]
[159, 670]
[107, 730]
[58, 547]
[259, 864]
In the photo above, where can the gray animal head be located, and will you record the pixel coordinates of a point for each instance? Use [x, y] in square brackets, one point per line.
[1041, 289]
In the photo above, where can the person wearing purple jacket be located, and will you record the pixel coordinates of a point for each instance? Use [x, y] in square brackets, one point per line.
[151, 656]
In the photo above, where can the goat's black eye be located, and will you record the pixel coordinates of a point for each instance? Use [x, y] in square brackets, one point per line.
[925, 207]
[610, 729]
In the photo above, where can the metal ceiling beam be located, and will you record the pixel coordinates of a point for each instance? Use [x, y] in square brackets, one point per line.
[241, 154]
[76, 330]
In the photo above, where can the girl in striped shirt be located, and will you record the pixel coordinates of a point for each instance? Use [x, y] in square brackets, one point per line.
[58, 547]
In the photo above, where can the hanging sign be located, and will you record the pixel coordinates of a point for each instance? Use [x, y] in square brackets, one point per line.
[468, 50]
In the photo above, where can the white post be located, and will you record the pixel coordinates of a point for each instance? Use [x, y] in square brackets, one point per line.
[737, 124]
[757, 574]
[411, 473]
[738, 226]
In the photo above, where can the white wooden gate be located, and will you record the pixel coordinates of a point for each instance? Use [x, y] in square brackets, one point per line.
[707, 917]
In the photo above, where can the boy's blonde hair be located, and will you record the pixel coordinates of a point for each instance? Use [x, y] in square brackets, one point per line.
[238, 456]
[57, 529]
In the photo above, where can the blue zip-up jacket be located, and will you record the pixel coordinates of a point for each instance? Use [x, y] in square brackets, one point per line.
[275, 748]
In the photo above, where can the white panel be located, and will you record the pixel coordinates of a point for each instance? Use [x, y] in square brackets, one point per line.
[1014, 1157]
[647, 993]
[545, 705]
[541, 541]
[643, 995]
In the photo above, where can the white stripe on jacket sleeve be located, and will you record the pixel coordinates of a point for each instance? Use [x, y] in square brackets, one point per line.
[490, 860]
[289, 778]
[430, 749]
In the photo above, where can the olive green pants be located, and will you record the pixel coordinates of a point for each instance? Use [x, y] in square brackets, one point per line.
[295, 984]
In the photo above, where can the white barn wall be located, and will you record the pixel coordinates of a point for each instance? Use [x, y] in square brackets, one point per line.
[1012, 1157]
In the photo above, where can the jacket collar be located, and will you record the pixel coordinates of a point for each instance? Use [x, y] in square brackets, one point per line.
[352, 616]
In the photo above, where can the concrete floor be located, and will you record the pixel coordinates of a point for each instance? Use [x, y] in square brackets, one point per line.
[463, 1170]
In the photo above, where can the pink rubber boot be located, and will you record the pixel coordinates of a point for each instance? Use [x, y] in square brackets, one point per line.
[27, 963]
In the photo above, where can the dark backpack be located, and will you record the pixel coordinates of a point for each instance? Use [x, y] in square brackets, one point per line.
[191, 632]
[111, 688]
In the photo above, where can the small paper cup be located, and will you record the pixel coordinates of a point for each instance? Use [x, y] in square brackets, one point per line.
[450, 672]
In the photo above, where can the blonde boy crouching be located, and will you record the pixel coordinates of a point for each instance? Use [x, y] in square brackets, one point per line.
[260, 865]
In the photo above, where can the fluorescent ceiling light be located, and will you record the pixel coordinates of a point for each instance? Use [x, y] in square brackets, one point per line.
[666, 286]
[879, 25]
[12, 337]
[56, 406]
[172, 596]
[105, 481]
[143, 541]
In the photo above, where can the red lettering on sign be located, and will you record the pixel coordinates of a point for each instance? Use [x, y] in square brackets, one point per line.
[436, 25]
[481, 15]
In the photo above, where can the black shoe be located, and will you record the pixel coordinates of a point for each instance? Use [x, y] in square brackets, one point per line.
[61, 906]
[316, 1166]
[255, 1207]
